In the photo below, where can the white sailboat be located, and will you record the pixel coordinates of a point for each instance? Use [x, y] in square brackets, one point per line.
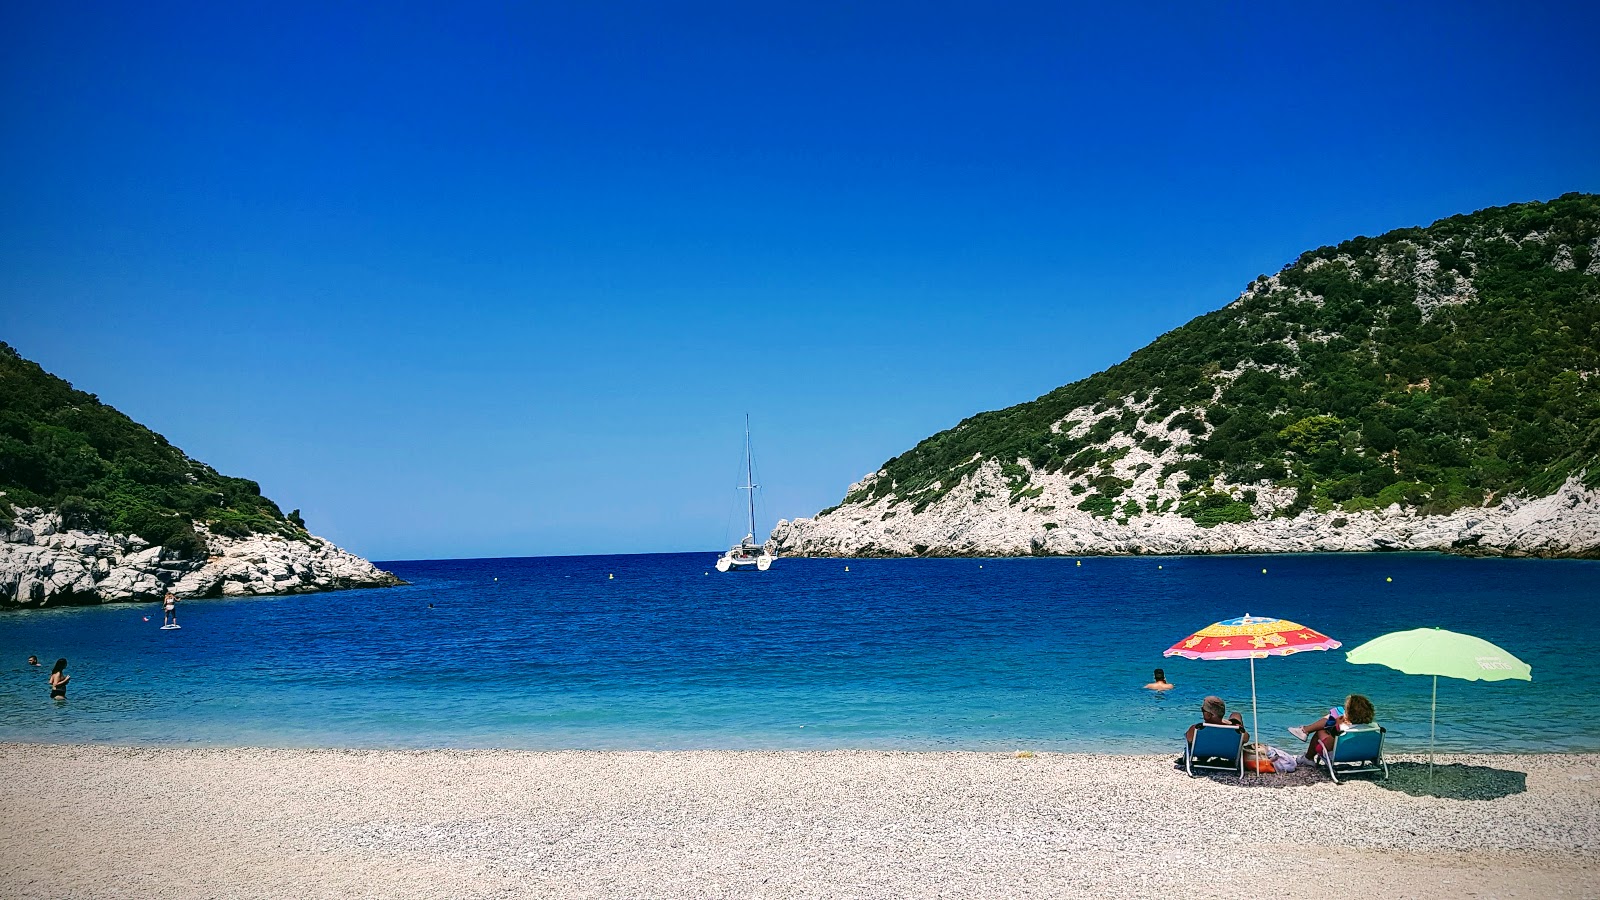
[747, 553]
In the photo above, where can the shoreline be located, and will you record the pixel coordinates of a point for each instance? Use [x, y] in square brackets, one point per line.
[1457, 552]
[98, 820]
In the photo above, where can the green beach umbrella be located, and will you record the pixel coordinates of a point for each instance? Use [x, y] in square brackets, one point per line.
[1435, 651]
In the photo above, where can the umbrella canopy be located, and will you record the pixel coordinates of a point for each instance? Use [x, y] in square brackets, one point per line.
[1435, 651]
[1251, 637]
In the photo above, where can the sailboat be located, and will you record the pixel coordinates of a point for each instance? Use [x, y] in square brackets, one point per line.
[747, 553]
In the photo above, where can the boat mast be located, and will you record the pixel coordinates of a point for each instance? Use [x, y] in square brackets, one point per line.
[749, 477]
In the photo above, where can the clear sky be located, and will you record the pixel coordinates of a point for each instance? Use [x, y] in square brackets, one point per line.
[496, 280]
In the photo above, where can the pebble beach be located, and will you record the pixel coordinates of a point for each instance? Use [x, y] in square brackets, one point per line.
[103, 821]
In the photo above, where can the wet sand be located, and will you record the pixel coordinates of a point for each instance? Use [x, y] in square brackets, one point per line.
[94, 821]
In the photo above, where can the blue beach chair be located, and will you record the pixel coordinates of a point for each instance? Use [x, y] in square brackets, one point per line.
[1358, 749]
[1219, 747]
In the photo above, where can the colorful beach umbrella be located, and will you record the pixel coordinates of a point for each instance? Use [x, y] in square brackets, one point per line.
[1251, 637]
[1435, 651]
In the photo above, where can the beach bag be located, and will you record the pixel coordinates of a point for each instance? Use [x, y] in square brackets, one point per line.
[1257, 758]
[1282, 760]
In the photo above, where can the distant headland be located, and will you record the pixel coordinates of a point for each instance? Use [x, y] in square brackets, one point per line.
[96, 508]
[1432, 388]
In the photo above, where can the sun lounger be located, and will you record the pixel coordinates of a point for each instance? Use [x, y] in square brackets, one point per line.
[1218, 747]
[1358, 749]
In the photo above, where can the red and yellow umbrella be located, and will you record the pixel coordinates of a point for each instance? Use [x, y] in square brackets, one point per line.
[1251, 637]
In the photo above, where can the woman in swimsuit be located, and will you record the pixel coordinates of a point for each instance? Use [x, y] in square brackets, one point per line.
[58, 680]
[1319, 735]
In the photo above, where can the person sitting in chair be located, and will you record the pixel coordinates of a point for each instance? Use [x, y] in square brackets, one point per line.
[1319, 735]
[1211, 711]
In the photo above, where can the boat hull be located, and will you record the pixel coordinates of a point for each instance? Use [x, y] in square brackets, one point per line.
[731, 563]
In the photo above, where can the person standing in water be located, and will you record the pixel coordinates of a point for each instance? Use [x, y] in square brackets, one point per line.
[170, 607]
[58, 680]
[1161, 683]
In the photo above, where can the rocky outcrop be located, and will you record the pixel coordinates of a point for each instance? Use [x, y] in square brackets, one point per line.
[43, 564]
[978, 519]
[1425, 389]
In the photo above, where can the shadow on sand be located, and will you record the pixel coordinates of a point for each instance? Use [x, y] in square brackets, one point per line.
[1305, 775]
[1454, 781]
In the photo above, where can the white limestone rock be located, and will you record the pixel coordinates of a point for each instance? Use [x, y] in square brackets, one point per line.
[1565, 523]
[43, 564]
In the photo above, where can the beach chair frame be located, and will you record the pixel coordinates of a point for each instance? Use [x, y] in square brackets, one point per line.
[1215, 740]
[1355, 758]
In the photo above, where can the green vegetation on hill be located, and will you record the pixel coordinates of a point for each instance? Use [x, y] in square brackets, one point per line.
[63, 449]
[1435, 367]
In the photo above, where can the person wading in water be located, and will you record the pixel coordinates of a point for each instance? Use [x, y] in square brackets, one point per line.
[59, 679]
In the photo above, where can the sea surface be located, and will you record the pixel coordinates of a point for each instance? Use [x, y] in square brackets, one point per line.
[662, 652]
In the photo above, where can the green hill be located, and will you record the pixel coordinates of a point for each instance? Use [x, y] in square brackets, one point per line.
[63, 449]
[1436, 367]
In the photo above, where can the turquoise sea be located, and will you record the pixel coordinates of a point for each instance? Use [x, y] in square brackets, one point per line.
[661, 651]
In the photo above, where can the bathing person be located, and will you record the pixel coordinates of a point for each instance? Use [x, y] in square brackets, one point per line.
[33, 660]
[1161, 683]
[58, 680]
[170, 607]
[1319, 735]
[1211, 710]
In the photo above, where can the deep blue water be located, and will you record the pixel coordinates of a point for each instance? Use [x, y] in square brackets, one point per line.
[917, 654]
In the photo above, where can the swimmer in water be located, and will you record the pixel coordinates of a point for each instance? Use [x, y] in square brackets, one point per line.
[33, 660]
[1161, 683]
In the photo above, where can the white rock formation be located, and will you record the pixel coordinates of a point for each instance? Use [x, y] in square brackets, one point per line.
[42, 564]
[1566, 523]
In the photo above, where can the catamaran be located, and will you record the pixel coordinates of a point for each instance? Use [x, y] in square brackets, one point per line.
[747, 553]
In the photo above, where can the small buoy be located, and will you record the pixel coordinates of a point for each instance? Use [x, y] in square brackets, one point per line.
[1263, 571]
[1080, 562]
[847, 568]
[980, 567]
[1388, 579]
[1159, 567]
[147, 618]
[609, 577]
[497, 578]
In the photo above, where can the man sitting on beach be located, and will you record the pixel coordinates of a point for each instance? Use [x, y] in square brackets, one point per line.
[1161, 683]
[1211, 710]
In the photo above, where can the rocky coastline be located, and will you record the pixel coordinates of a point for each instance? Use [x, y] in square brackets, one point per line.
[976, 519]
[44, 564]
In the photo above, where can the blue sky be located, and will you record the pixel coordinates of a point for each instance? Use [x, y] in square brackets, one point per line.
[491, 280]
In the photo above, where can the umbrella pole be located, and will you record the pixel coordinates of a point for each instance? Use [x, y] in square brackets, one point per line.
[1255, 719]
[1433, 719]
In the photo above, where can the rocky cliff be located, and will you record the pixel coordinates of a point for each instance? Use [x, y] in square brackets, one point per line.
[97, 508]
[1563, 524]
[1428, 389]
[44, 564]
